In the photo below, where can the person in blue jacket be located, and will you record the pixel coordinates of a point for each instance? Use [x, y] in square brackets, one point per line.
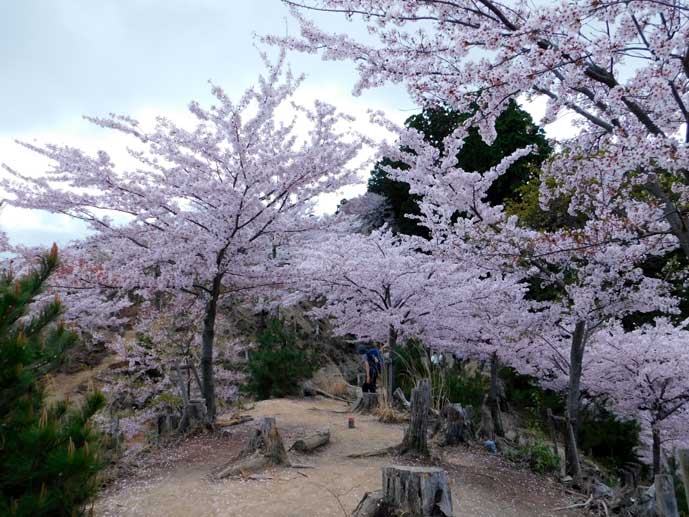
[373, 364]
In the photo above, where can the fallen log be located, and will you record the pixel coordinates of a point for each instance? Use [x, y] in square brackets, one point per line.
[311, 442]
[311, 390]
[234, 421]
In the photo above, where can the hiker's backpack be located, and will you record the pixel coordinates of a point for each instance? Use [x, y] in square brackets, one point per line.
[375, 362]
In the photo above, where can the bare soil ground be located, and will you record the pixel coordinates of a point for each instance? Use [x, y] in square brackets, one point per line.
[175, 482]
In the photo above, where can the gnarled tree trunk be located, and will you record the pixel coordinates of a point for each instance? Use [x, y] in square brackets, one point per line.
[392, 348]
[415, 438]
[576, 357]
[494, 399]
[454, 425]
[207, 340]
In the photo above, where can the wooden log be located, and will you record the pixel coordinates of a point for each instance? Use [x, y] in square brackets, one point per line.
[367, 404]
[415, 438]
[666, 504]
[683, 457]
[312, 442]
[311, 390]
[417, 491]
[371, 505]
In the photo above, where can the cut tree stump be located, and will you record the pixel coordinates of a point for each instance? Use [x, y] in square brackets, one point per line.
[367, 404]
[417, 491]
[311, 442]
[453, 428]
[265, 449]
[416, 437]
[409, 491]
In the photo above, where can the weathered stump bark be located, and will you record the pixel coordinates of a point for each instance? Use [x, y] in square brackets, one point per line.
[264, 449]
[367, 404]
[453, 429]
[666, 504]
[312, 442]
[415, 438]
[683, 456]
[417, 491]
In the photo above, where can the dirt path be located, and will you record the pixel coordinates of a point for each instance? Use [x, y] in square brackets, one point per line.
[175, 482]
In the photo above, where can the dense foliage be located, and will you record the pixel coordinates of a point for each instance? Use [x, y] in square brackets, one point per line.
[515, 129]
[49, 454]
[277, 366]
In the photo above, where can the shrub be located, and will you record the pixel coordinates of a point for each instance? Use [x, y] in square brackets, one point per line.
[49, 456]
[538, 455]
[277, 366]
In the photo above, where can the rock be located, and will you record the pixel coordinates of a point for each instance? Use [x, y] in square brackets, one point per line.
[511, 435]
[601, 490]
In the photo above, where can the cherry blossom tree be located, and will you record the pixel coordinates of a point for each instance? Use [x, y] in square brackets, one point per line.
[592, 277]
[203, 206]
[643, 375]
[622, 68]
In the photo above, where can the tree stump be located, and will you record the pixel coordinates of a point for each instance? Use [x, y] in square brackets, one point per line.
[312, 442]
[264, 449]
[417, 491]
[367, 404]
[409, 491]
[453, 429]
[666, 504]
[415, 438]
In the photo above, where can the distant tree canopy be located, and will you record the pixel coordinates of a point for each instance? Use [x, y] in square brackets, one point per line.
[515, 130]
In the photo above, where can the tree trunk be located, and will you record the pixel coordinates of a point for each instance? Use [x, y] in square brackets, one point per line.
[666, 503]
[417, 491]
[311, 442]
[655, 433]
[392, 348]
[371, 505]
[494, 399]
[207, 340]
[683, 456]
[576, 357]
[415, 439]
[678, 223]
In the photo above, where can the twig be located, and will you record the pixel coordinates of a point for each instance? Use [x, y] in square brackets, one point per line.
[577, 505]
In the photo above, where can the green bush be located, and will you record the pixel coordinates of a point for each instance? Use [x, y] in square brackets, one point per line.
[610, 440]
[49, 455]
[277, 366]
[538, 455]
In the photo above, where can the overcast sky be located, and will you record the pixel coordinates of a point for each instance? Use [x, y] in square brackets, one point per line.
[62, 59]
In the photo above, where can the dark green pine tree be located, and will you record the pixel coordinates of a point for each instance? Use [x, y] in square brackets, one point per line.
[49, 454]
[515, 130]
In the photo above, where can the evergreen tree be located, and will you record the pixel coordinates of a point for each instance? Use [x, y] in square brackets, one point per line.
[515, 130]
[49, 455]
